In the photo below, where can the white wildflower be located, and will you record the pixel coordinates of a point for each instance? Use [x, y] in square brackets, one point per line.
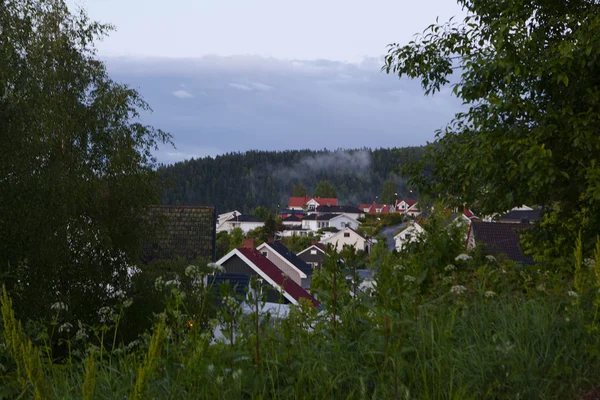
[219, 380]
[541, 287]
[449, 268]
[409, 278]
[216, 267]
[133, 345]
[447, 280]
[105, 310]
[59, 306]
[127, 303]
[159, 283]
[237, 374]
[490, 258]
[66, 327]
[463, 257]
[81, 334]
[192, 271]
[119, 294]
[489, 294]
[589, 263]
[458, 289]
[399, 267]
[230, 302]
[572, 293]
[173, 282]
[211, 369]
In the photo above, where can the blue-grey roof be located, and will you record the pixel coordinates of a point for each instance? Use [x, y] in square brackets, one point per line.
[283, 251]
[246, 218]
[339, 209]
[522, 216]
[324, 217]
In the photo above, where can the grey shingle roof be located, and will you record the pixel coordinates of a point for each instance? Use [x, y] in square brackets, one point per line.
[521, 216]
[499, 238]
[179, 232]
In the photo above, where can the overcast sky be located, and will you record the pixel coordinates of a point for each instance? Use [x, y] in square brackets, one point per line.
[267, 83]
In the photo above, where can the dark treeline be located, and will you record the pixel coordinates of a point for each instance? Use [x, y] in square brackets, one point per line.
[244, 181]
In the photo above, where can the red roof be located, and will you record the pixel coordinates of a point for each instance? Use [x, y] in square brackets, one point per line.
[467, 213]
[266, 266]
[301, 201]
[385, 208]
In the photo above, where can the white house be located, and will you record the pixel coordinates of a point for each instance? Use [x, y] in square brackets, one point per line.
[310, 203]
[342, 221]
[289, 231]
[222, 218]
[314, 222]
[408, 207]
[245, 222]
[348, 237]
[408, 235]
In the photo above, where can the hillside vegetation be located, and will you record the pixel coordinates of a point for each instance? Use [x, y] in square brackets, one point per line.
[244, 181]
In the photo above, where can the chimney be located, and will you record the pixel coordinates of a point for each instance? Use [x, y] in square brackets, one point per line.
[314, 242]
[270, 239]
[248, 244]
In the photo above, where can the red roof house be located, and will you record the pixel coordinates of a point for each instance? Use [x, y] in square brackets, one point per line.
[302, 202]
[247, 260]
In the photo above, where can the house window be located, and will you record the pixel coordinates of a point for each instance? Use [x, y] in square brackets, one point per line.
[408, 236]
[313, 252]
[346, 234]
[264, 253]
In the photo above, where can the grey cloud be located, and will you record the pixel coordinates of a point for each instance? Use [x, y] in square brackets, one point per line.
[283, 104]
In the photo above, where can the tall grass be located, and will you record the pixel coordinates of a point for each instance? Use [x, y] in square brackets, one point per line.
[478, 342]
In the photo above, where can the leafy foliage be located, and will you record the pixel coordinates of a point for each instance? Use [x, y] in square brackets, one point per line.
[528, 74]
[76, 168]
[325, 189]
[298, 190]
[388, 193]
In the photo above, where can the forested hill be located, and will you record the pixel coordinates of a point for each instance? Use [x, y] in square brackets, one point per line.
[244, 181]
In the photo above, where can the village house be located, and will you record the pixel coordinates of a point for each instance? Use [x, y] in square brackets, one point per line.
[292, 220]
[310, 203]
[314, 255]
[408, 207]
[222, 218]
[499, 239]
[374, 208]
[348, 237]
[293, 230]
[409, 234]
[245, 222]
[288, 262]
[250, 262]
[314, 222]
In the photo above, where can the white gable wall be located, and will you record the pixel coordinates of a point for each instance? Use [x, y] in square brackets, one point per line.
[410, 234]
[347, 237]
